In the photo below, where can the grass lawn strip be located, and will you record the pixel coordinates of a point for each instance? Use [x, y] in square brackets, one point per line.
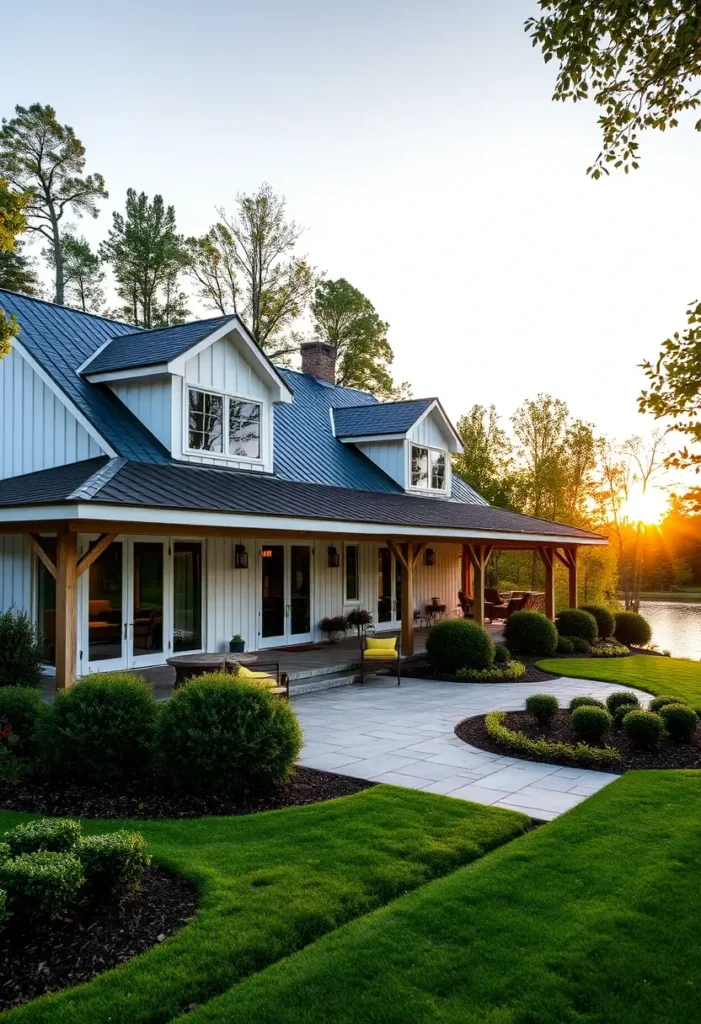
[593, 918]
[270, 884]
[677, 677]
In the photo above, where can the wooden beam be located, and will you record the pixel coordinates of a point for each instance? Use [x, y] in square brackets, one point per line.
[39, 550]
[417, 553]
[479, 555]
[573, 582]
[397, 552]
[548, 558]
[66, 609]
[408, 601]
[466, 575]
[95, 551]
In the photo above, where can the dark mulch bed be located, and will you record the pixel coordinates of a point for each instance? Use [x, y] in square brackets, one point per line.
[420, 670]
[151, 797]
[92, 938]
[667, 754]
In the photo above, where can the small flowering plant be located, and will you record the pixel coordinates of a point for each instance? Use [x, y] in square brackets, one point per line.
[334, 626]
[8, 740]
[360, 618]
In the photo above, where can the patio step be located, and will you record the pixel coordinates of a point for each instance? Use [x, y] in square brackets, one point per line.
[328, 681]
[298, 674]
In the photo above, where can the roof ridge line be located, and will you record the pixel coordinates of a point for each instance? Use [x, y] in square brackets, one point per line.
[172, 327]
[70, 309]
[97, 480]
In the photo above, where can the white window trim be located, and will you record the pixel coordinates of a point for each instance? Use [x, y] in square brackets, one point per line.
[351, 601]
[428, 490]
[226, 398]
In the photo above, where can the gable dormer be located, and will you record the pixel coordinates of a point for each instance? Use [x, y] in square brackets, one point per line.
[411, 441]
[204, 389]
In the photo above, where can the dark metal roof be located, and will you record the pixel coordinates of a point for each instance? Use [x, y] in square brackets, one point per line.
[206, 489]
[148, 348]
[381, 418]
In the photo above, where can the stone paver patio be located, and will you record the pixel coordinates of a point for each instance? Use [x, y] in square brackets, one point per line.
[405, 736]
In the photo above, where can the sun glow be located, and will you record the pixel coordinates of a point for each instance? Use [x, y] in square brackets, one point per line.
[645, 506]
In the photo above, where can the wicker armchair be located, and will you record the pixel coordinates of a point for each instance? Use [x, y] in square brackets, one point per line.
[377, 650]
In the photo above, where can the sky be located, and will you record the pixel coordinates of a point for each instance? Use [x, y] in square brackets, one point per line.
[419, 145]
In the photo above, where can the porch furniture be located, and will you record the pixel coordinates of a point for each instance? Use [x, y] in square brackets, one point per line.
[506, 608]
[188, 666]
[420, 620]
[466, 605]
[380, 649]
[435, 611]
[277, 682]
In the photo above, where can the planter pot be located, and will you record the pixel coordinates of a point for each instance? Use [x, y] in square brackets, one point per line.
[237, 646]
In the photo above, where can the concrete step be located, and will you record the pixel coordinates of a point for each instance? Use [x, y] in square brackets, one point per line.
[324, 682]
[299, 674]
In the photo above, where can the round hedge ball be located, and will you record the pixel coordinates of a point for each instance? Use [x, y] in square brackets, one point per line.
[579, 644]
[643, 728]
[218, 737]
[590, 724]
[543, 707]
[614, 700]
[680, 722]
[632, 629]
[604, 619]
[622, 710]
[501, 654]
[454, 644]
[586, 702]
[576, 622]
[564, 645]
[531, 633]
[662, 701]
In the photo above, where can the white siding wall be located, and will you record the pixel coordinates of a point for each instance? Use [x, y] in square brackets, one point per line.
[149, 398]
[36, 429]
[15, 573]
[390, 456]
[429, 431]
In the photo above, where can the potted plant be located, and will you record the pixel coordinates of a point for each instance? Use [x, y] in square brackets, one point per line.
[333, 627]
[360, 619]
[237, 644]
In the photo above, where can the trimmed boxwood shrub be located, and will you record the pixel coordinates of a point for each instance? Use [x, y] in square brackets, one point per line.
[519, 743]
[113, 864]
[21, 650]
[40, 886]
[543, 707]
[530, 633]
[662, 701]
[59, 835]
[101, 730]
[605, 622]
[219, 736]
[680, 721]
[501, 654]
[614, 700]
[586, 702]
[576, 622]
[22, 707]
[590, 724]
[495, 674]
[453, 644]
[643, 728]
[622, 710]
[579, 644]
[632, 629]
[609, 648]
[564, 645]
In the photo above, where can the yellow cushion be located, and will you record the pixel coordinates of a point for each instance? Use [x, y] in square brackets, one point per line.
[258, 677]
[382, 654]
[384, 642]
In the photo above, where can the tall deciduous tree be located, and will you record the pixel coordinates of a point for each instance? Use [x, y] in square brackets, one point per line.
[82, 273]
[212, 265]
[539, 427]
[40, 156]
[12, 223]
[487, 460]
[345, 318]
[147, 256]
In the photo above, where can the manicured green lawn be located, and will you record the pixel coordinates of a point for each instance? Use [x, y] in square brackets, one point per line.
[677, 677]
[592, 919]
[270, 884]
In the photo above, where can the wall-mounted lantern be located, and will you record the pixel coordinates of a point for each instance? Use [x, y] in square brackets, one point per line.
[334, 558]
[430, 557]
[240, 557]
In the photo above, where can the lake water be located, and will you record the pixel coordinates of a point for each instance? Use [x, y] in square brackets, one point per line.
[676, 626]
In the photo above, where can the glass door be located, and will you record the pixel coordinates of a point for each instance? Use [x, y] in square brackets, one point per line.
[300, 603]
[273, 595]
[147, 564]
[187, 596]
[389, 590]
[107, 622]
[285, 594]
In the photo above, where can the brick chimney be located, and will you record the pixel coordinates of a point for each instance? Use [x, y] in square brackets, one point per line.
[319, 360]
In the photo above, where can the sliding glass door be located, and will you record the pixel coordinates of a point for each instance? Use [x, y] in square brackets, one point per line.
[286, 572]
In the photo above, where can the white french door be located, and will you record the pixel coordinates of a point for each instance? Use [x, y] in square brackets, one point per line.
[286, 594]
[389, 590]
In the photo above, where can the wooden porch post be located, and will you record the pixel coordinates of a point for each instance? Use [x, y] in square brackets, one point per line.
[548, 557]
[407, 558]
[568, 557]
[466, 581]
[66, 609]
[478, 555]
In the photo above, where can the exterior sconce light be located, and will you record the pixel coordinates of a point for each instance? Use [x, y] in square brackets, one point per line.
[430, 557]
[240, 557]
[334, 558]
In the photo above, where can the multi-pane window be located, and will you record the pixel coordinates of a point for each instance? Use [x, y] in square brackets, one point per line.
[207, 415]
[428, 468]
[244, 429]
[352, 573]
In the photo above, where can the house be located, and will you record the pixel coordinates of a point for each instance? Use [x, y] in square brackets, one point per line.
[162, 490]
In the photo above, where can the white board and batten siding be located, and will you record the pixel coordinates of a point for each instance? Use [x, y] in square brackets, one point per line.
[390, 456]
[149, 398]
[16, 574]
[428, 431]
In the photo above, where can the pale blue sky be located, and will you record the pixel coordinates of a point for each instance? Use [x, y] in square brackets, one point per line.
[419, 145]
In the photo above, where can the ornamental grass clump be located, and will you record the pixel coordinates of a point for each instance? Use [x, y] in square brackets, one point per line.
[22, 707]
[605, 621]
[40, 886]
[590, 724]
[217, 736]
[680, 722]
[643, 728]
[632, 629]
[542, 706]
[58, 835]
[101, 730]
[586, 702]
[576, 622]
[455, 644]
[530, 633]
[114, 863]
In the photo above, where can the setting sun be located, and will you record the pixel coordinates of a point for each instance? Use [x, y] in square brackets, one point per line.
[645, 506]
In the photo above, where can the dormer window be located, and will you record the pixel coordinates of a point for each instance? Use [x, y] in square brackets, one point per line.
[427, 468]
[207, 412]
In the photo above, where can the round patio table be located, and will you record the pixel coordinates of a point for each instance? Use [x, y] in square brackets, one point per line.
[189, 665]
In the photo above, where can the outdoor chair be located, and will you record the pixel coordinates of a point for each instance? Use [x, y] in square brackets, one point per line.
[380, 649]
[277, 682]
[466, 604]
[507, 608]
